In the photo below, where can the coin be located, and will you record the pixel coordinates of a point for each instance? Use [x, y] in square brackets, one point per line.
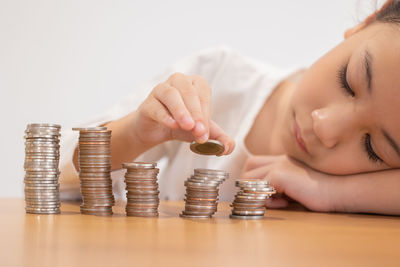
[41, 168]
[94, 158]
[141, 214]
[241, 217]
[141, 189]
[143, 166]
[211, 147]
[101, 128]
[249, 202]
[188, 216]
[201, 198]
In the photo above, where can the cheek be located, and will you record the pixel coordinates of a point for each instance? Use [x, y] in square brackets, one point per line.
[307, 92]
[344, 160]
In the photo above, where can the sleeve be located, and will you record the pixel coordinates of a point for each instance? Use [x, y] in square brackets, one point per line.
[205, 63]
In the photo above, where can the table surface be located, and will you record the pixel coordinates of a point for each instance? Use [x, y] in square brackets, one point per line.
[283, 238]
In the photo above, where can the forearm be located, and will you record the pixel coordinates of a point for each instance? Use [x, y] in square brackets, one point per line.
[125, 146]
[377, 192]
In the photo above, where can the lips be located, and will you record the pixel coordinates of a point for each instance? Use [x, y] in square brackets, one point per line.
[297, 134]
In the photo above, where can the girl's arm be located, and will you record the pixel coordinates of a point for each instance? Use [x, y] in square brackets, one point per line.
[374, 192]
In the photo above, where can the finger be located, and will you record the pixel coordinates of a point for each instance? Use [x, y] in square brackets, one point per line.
[232, 146]
[158, 112]
[172, 100]
[276, 203]
[182, 135]
[192, 102]
[217, 133]
[204, 93]
[258, 173]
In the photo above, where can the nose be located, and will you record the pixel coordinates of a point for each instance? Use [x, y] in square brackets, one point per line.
[332, 124]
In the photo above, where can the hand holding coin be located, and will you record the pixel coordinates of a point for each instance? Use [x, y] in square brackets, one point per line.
[179, 109]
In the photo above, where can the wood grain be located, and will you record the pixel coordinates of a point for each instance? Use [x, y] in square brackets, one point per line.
[283, 238]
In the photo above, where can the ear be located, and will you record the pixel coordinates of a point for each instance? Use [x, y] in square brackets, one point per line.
[367, 21]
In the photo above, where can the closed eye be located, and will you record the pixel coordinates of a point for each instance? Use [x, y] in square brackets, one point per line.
[342, 76]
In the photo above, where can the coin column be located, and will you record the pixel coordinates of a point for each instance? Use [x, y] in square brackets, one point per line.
[95, 171]
[142, 189]
[42, 195]
[250, 200]
[202, 193]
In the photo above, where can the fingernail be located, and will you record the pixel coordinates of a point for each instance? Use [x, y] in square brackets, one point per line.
[187, 120]
[203, 138]
[226, 150]
[200, 128]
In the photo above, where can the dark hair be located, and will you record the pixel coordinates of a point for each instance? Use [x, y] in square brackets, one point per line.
[391, 14]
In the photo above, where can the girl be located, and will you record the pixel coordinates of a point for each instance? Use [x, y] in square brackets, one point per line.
[327, 137]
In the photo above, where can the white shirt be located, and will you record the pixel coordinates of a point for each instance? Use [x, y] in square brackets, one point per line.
[240, 86]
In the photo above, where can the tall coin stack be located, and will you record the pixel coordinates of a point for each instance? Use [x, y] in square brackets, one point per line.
[142, 189]
[95, 171]
[42, 153]
[250, 200]
[202, 193]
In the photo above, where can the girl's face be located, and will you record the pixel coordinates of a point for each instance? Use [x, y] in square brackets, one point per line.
[344, 115]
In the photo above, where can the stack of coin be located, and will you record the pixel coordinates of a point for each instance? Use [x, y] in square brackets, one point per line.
[95, 171]
[42, 153]
[202, 193]
[142, 189]
[250, 200]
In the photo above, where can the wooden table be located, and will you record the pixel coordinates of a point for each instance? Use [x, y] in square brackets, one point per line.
[283, 238]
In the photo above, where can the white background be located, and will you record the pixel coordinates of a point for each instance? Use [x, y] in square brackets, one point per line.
[66, 61]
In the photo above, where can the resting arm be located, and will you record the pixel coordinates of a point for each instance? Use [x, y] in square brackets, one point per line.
[374, 192]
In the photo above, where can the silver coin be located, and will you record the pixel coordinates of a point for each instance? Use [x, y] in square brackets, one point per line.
[248, 212]
[139, 165]
[250, 183]
[197, 185]
[41, 209]
[44, 212]
[100, 128]
[194, 216]
[246, 217]
[43, 125]
[133, 196]
[201, 198]
[200, 207]
[211, 172]
[136, 214]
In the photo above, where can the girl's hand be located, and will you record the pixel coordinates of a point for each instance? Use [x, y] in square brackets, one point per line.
[178, 109]
[292, 179]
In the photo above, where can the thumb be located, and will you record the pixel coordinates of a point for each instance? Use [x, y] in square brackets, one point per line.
[217, 133]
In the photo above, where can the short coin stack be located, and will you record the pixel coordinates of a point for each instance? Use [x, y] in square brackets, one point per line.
[95, 171]
[250, 200]
[202, 193]
[41, 168]
[142, 189]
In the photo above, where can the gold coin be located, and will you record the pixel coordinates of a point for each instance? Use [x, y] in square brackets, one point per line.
[211, 147]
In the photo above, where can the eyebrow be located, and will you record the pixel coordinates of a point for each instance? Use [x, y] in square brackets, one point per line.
[394, 145]
[367, 67]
